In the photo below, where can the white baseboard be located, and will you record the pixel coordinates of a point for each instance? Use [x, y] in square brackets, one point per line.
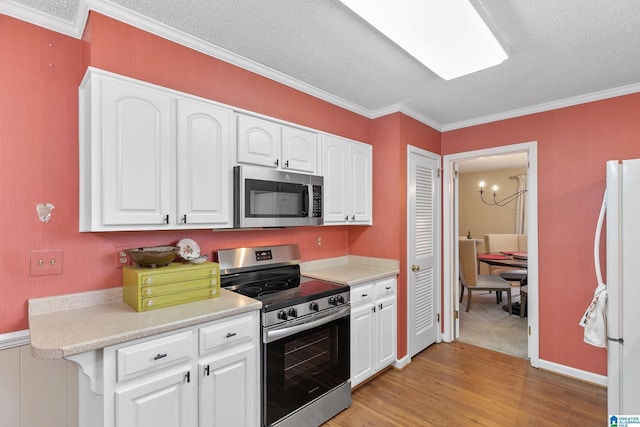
[14, 339]
[574, 373]
[402, 363]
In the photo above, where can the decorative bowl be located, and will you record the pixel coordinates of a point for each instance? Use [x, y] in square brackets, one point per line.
[154, 256]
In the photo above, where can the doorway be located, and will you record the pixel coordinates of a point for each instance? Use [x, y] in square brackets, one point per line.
[451, 305]
[488, 324]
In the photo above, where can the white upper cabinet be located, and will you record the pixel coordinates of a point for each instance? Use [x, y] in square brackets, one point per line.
[348, 176]
[203, 169]
[270, 144]
[151, 158]
[299, 150]
[132, 148]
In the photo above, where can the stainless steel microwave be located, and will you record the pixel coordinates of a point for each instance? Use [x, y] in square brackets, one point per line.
[264, 197]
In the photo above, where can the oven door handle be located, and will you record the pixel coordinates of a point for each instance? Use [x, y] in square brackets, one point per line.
[276, 334]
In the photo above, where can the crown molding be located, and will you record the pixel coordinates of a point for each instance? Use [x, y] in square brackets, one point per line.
[75, 29]
[70, 28]
[407, 111]
[177, 36]
[549, 106]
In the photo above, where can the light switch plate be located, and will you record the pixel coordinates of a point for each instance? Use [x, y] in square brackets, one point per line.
[45, 262]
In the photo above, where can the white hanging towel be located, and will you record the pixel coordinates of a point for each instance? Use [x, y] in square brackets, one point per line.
[594, 320]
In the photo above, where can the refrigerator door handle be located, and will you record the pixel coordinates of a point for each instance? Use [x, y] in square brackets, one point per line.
[596, 243]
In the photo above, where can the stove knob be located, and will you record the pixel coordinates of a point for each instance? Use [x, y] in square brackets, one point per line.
[340, 299]
[293, 312]
[282, 315]
[333, 301]
[313, 306]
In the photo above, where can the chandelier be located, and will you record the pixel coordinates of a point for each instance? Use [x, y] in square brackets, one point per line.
[497, 202]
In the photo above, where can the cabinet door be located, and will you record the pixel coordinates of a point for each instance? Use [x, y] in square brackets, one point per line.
[335, 163]
[204, 166]
[228, 393]
[299, 150]
[258, 142]
[360, 183]
[362, 343]
[159, 402]
[386, 332]
[137, 154]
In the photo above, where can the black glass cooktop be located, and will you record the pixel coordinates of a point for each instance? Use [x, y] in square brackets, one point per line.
[280, 287]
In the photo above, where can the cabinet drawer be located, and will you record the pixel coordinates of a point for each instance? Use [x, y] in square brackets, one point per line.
[151, 355]
[361, 294]
[228, 332]
[384, 288]
[149, 303]
[177, 276]
[172, 288]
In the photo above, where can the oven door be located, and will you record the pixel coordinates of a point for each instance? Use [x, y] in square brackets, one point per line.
[301, 366]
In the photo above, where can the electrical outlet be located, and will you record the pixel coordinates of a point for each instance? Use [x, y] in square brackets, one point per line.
[122, 256]
[319, 241]
[45, 262]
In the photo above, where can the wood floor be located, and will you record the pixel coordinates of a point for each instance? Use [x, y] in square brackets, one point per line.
[458, 384]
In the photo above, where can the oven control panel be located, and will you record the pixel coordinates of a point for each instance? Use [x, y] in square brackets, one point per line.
[264, 255]
[312, 307]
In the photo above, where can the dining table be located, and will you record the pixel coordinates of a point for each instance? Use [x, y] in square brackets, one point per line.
[516, 260]
[505, 259]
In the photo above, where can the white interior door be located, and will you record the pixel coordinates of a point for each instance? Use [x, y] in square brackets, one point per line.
[423, 252]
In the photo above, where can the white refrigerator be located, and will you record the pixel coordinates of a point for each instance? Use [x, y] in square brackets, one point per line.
[622, 203]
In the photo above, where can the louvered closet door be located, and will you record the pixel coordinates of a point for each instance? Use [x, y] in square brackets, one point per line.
[424, 249]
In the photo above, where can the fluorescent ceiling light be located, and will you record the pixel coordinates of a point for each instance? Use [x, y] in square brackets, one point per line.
[448, 36]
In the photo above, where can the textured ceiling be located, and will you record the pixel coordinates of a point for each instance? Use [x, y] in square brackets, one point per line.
[561, 52]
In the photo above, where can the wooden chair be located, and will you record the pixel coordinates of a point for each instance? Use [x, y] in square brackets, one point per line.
[524, 292]
[472, 281]
[494, 243]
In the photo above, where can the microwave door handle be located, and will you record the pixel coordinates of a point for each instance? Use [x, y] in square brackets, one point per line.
[307, 200]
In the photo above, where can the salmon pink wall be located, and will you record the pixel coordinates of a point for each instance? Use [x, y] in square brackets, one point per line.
[126, 50]
[388, 237]
[39, 78]
[573, 145]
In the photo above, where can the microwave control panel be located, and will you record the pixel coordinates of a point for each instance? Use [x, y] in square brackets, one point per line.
[317, 201]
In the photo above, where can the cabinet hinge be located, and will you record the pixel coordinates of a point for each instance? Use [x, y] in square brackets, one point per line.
[439, 172]
[456, 314]
[455, 174]
[438, 317]
[529, 330]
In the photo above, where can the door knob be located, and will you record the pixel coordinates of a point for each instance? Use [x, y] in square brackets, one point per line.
[415, 267]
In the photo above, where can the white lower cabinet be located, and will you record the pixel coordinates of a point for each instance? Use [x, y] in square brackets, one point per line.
[165, 401]
[206, 375]
[373, 328]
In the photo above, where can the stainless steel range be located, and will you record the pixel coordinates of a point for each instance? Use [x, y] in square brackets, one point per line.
[305, 334]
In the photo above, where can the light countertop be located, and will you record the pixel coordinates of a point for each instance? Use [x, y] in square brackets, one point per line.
[64, 325]
[351, 269]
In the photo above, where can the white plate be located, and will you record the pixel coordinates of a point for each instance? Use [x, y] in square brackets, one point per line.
[189, 249]
[200, 260]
